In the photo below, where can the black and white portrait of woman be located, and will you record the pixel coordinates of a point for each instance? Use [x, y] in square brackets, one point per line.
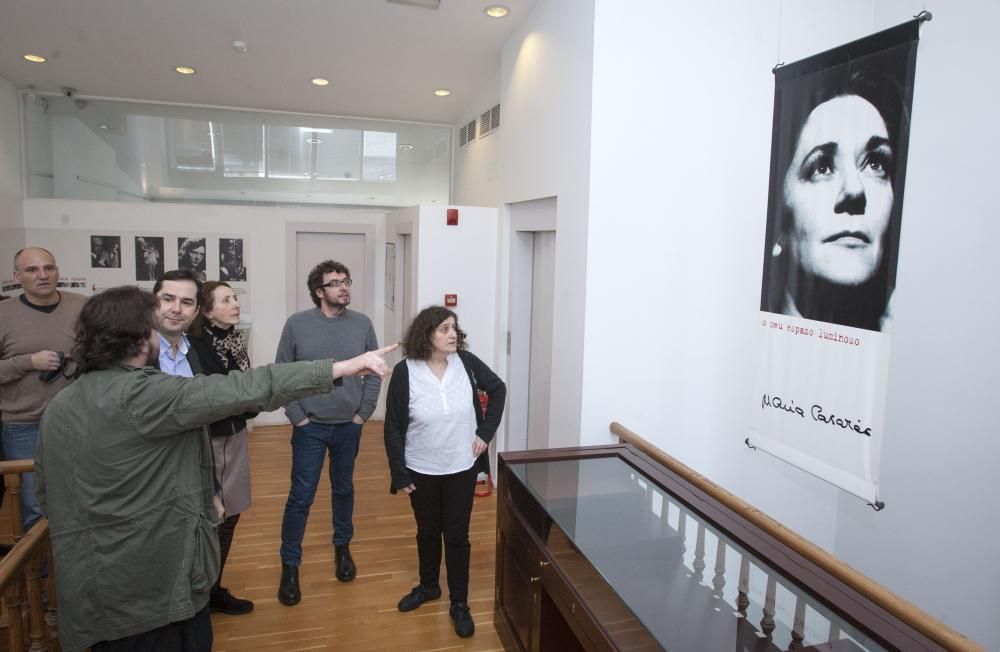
[837, 168]
[191, 255]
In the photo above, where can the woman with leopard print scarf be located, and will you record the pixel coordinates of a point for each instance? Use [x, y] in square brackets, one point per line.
[220, 348]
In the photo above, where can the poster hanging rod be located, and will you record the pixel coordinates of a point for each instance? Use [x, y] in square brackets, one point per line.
[878, 505]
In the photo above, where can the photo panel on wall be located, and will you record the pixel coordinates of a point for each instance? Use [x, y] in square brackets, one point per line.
[232, 265]
[191, 254]
[148, 258]
[106, 251]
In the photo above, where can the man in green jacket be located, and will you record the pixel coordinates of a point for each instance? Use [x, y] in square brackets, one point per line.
[125, 478]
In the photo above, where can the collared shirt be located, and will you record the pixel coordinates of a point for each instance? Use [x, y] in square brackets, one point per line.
[178, 366]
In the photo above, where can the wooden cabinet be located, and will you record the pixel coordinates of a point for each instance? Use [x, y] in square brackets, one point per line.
[603, 549]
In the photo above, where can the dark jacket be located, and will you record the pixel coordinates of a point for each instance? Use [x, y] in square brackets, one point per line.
[205, 361]
[397, 413]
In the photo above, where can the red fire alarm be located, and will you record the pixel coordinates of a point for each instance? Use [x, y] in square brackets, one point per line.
[450, 300]
[452, 214]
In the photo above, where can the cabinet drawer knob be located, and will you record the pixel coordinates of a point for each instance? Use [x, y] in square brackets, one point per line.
[535, 580]
[543, 564]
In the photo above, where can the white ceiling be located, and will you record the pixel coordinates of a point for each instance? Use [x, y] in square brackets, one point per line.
[383, 60]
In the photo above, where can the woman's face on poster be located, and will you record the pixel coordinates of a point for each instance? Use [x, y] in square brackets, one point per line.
[196, 255]
[838, 191]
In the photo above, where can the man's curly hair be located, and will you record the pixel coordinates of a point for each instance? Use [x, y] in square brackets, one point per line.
[112, 327]
[417, 342]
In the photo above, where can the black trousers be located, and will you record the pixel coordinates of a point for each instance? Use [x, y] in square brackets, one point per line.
[442, 506]
[191, 635]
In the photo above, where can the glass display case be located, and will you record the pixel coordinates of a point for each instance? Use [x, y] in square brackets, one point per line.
[605, 549]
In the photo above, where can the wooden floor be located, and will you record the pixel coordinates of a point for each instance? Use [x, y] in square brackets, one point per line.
[358, 615]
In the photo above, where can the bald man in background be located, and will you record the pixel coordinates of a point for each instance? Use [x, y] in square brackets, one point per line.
[36, 343]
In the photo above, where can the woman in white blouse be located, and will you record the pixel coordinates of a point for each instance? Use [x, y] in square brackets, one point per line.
[436, 436]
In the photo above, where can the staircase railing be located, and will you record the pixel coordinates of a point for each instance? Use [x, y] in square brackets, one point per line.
[27, 594]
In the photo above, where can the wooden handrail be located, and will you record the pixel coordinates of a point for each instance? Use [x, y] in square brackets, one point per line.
[19, 554]
[17, 466]
[894, 604]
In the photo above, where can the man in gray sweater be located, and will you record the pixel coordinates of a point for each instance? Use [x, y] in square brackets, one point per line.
[327, 422]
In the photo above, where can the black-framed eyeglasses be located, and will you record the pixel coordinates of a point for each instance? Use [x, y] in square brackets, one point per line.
[336, 283]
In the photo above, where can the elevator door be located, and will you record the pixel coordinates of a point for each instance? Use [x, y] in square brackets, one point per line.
[540, 350]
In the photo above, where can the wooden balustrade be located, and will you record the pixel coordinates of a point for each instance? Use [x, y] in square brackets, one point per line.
[27, 595]
[776, 603]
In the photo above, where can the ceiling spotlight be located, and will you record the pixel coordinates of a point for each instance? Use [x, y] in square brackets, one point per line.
[105, 126]
[185, 70]
[313, 141]
[406, 146]
[35, 58]
[497, 11]
[319, 81]
[240, 46]
[442, 92]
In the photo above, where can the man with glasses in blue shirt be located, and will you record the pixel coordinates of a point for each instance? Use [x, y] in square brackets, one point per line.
[327, 422]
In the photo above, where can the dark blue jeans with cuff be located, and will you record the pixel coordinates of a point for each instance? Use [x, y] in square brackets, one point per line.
[310, 444]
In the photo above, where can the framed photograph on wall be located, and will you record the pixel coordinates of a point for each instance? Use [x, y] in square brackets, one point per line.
[390, 275]
[148, 258]
[232, 266]
[106, 251]
[191, 255]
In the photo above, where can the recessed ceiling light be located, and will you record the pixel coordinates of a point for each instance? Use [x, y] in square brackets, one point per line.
[319, 81]
[313, 141]
[105, 126]
[185, 70]
[406, 146]
[442, 92]
[35, 58]
[497, 11]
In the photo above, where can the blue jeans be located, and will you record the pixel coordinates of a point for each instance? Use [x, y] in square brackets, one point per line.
[309, 445]
[19, 441]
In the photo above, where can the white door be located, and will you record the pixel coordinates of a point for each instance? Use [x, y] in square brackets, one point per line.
[348, 248]
[540, 356]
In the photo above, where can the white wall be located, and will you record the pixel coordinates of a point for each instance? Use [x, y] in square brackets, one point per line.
[461, 260]
[476, 163]
[675, 226]
[545, 97]
[11, 224]
[64, 226]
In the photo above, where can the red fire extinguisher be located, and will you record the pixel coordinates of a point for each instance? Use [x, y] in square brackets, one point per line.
[484, 483]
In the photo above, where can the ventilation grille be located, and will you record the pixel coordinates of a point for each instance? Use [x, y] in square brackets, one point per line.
[489, 121]
[467, 133]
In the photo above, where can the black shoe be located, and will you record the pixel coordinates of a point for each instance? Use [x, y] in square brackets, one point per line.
[464, 626]
[222, 601]
[288, 590]
[418, 596]
[346, 570]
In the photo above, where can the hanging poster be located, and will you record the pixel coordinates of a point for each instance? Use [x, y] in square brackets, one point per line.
[106, 251]
[148, 258]
[390, 275]
[231, 264]
[838, 164]
[191, 255]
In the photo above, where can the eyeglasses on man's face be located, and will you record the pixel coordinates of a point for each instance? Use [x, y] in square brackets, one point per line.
[336, 283]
